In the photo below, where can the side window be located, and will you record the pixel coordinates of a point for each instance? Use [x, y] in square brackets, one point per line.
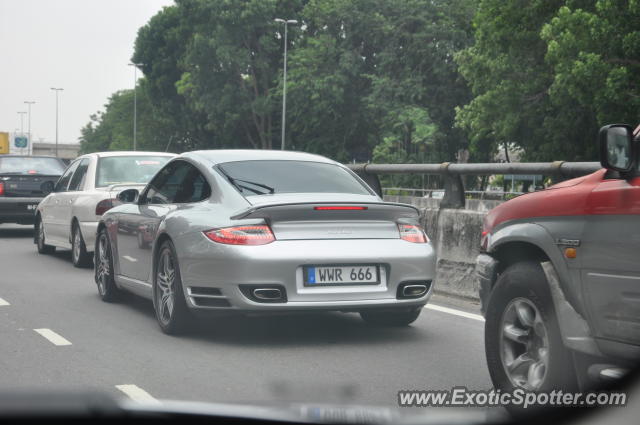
[77, 181]
[63, 181]
[194, 188]
[178, 182]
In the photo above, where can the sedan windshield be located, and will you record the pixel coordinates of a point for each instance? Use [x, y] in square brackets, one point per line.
[31, 165]
[128, 169]
[253, 178]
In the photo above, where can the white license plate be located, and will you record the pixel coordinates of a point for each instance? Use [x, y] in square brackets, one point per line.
[341, 275]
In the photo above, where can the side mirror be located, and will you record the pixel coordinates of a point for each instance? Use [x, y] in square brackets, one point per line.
[617, 147]
[47, 187]
[128, 196]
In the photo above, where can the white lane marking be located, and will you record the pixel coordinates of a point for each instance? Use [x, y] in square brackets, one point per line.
[4, 302]
[455, 312]
[128, 258]
[53, 337]
[136, 393]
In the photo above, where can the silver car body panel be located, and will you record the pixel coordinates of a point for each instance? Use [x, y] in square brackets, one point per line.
[303, 237]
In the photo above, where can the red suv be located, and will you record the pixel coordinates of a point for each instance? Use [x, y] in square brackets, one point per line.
[559, 276]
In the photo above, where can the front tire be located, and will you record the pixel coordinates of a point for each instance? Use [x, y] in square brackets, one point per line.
[169, 303]
[79, 255]
[399, 317]
[104, 273]
[43, 248]
[523, 344]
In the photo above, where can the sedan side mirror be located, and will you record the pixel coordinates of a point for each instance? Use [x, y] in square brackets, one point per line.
[617, 147]
[128, 196]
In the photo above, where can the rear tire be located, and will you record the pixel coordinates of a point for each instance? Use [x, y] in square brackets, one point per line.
[400, 317]
[43, 248]
[169, 302]
[523, 344]
[79, 255]
[104, 273]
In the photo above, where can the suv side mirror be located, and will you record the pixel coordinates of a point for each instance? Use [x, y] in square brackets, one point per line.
[617, 147]
[128, 196]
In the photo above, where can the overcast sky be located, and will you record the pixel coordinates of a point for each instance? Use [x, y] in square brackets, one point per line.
[82, 46]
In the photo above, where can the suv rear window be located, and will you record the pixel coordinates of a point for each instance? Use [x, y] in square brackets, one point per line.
[31, 165]
[128, 169]
[266, 177]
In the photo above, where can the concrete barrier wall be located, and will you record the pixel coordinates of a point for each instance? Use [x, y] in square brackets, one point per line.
[456, 234]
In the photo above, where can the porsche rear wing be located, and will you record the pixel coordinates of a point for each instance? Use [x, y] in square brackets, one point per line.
[330, 211]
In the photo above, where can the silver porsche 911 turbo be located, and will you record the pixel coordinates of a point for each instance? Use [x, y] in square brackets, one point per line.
[263, 231]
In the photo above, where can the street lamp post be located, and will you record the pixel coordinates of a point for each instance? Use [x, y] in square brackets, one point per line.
[21, 113]
[29, 103]
[135, 104]
[57, 90]
[284, 83]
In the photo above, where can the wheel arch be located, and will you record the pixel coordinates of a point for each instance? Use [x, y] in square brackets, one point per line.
[162, 238]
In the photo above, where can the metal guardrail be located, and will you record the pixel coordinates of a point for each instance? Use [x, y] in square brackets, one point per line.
[439, 193]
[454, 196]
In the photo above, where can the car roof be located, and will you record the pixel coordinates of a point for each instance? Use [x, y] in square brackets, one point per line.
[130, 153]
[220, 156]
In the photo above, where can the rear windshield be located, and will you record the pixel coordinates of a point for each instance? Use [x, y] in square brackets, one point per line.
[128, 169]
[31, 165]
[267, 177]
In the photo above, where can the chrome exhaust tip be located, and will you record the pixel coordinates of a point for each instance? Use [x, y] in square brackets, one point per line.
[267, 294]
[414, 290]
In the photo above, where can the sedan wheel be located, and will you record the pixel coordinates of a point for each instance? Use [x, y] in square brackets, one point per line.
[79, 255]
[171, 309]
[43, 248]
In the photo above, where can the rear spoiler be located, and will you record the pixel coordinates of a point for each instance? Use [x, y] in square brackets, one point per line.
[305, 211]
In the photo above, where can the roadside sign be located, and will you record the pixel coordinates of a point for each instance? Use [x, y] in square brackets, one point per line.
[4, 143]
[20, 142]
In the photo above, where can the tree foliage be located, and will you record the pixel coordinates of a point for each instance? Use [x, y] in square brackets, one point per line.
[546, 74]
[383, 80]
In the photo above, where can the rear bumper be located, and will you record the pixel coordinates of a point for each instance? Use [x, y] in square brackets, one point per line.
[224, 269]
[18, 210]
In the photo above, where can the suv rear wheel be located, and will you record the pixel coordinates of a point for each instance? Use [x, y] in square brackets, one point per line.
[523, 344]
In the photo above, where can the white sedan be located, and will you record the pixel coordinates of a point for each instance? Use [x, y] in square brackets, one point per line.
[68, 217]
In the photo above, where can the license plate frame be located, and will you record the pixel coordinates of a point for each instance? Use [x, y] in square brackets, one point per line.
[307, 268]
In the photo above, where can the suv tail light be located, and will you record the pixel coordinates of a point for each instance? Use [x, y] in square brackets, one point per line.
[412, 233]
[105, 205]
[1, 188]
[484, 241]
[242, 235]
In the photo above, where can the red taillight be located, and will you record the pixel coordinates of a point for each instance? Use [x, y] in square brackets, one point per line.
[412, 233]
[339, 208]
[105, 205]
[1, 188]
[242, 235]
[484, 240]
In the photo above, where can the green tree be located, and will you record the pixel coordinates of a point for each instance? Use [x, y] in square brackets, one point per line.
[112, 129]
[547, 74]
[594, 53]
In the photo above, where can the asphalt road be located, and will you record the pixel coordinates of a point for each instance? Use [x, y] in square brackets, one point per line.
[84, 343]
